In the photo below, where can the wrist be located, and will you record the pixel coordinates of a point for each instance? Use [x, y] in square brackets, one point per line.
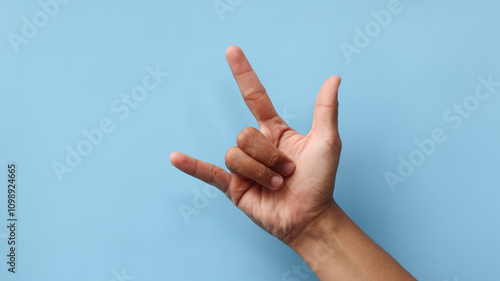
[314, 242]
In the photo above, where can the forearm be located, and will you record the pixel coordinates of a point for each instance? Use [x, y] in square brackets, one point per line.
[337, 249]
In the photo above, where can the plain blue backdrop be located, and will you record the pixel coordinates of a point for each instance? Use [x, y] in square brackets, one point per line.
[125, 213]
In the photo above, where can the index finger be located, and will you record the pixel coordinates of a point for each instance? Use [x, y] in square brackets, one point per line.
[251, 89]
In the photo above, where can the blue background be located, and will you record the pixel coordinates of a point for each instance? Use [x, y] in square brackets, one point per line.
[118, 211]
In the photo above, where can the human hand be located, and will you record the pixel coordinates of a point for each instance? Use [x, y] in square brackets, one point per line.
[286, 208]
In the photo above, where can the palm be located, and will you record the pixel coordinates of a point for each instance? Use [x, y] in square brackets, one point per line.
[308, 191]
[305, 194]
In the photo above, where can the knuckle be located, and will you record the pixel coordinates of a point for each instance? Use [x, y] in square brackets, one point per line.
[260, 172]
[212, 175]
[245, 136]
[230, 156]
[335, 144]
[254, 93]
[273, 158]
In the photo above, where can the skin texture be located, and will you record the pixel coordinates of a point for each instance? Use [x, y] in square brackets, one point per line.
[284, 182]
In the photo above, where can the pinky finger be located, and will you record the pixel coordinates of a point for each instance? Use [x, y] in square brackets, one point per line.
[207, 172]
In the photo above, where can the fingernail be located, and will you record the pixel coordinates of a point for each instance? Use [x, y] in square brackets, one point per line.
[288, 168]
[276, 181]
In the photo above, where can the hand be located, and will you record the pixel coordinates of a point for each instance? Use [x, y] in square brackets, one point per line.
[295, 206]
[286, 205]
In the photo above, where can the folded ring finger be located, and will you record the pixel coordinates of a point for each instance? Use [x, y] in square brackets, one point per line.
[255, 144]
[239, 162]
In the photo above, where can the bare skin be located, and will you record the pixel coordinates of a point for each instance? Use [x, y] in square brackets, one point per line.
[284, 182]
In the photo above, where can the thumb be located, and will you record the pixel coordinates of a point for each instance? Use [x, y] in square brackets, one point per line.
[325, 121]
